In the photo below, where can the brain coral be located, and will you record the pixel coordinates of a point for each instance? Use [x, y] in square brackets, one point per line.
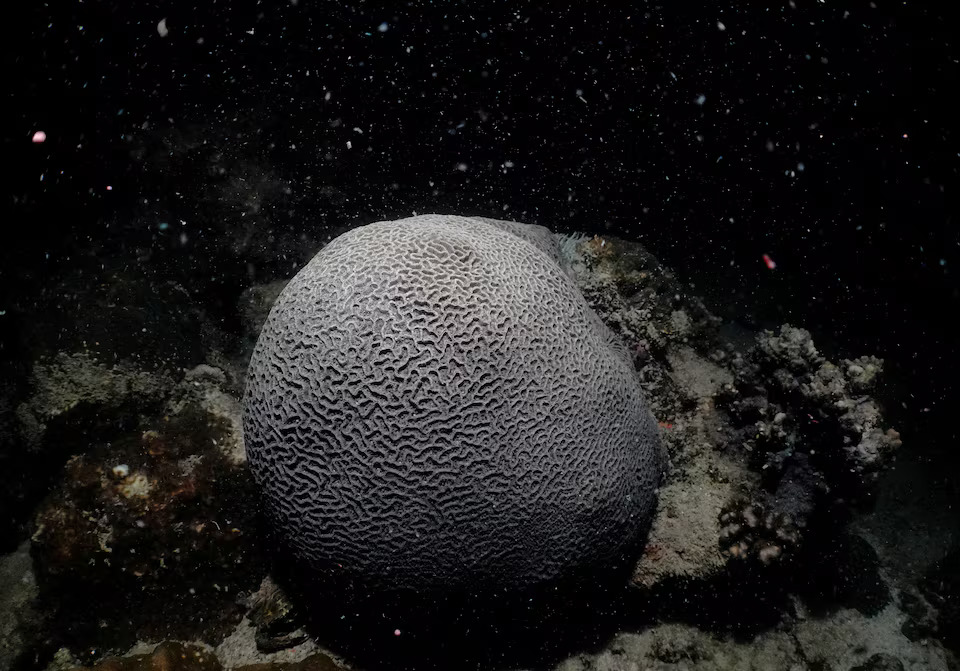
[433, 405]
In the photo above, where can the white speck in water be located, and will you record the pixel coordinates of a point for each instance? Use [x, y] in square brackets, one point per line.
[162, 28]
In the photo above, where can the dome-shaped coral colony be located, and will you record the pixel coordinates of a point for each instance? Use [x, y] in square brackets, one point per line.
[432, 404]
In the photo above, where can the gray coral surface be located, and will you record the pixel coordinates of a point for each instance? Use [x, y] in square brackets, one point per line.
[433, 404]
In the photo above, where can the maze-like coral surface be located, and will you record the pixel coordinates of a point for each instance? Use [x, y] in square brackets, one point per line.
[432, 404]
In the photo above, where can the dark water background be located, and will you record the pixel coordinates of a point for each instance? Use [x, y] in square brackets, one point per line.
[821, 134]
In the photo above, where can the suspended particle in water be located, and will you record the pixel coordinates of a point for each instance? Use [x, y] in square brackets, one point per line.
[769, 262]
[39, 137]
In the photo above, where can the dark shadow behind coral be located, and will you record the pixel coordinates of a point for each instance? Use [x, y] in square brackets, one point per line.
[533, 628]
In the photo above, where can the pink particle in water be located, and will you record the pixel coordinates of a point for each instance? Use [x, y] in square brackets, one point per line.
[769, 262]
[109, 188]
[396, 632]
[39, 137]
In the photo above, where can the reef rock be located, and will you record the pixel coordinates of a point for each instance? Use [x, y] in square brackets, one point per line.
[151, 533]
